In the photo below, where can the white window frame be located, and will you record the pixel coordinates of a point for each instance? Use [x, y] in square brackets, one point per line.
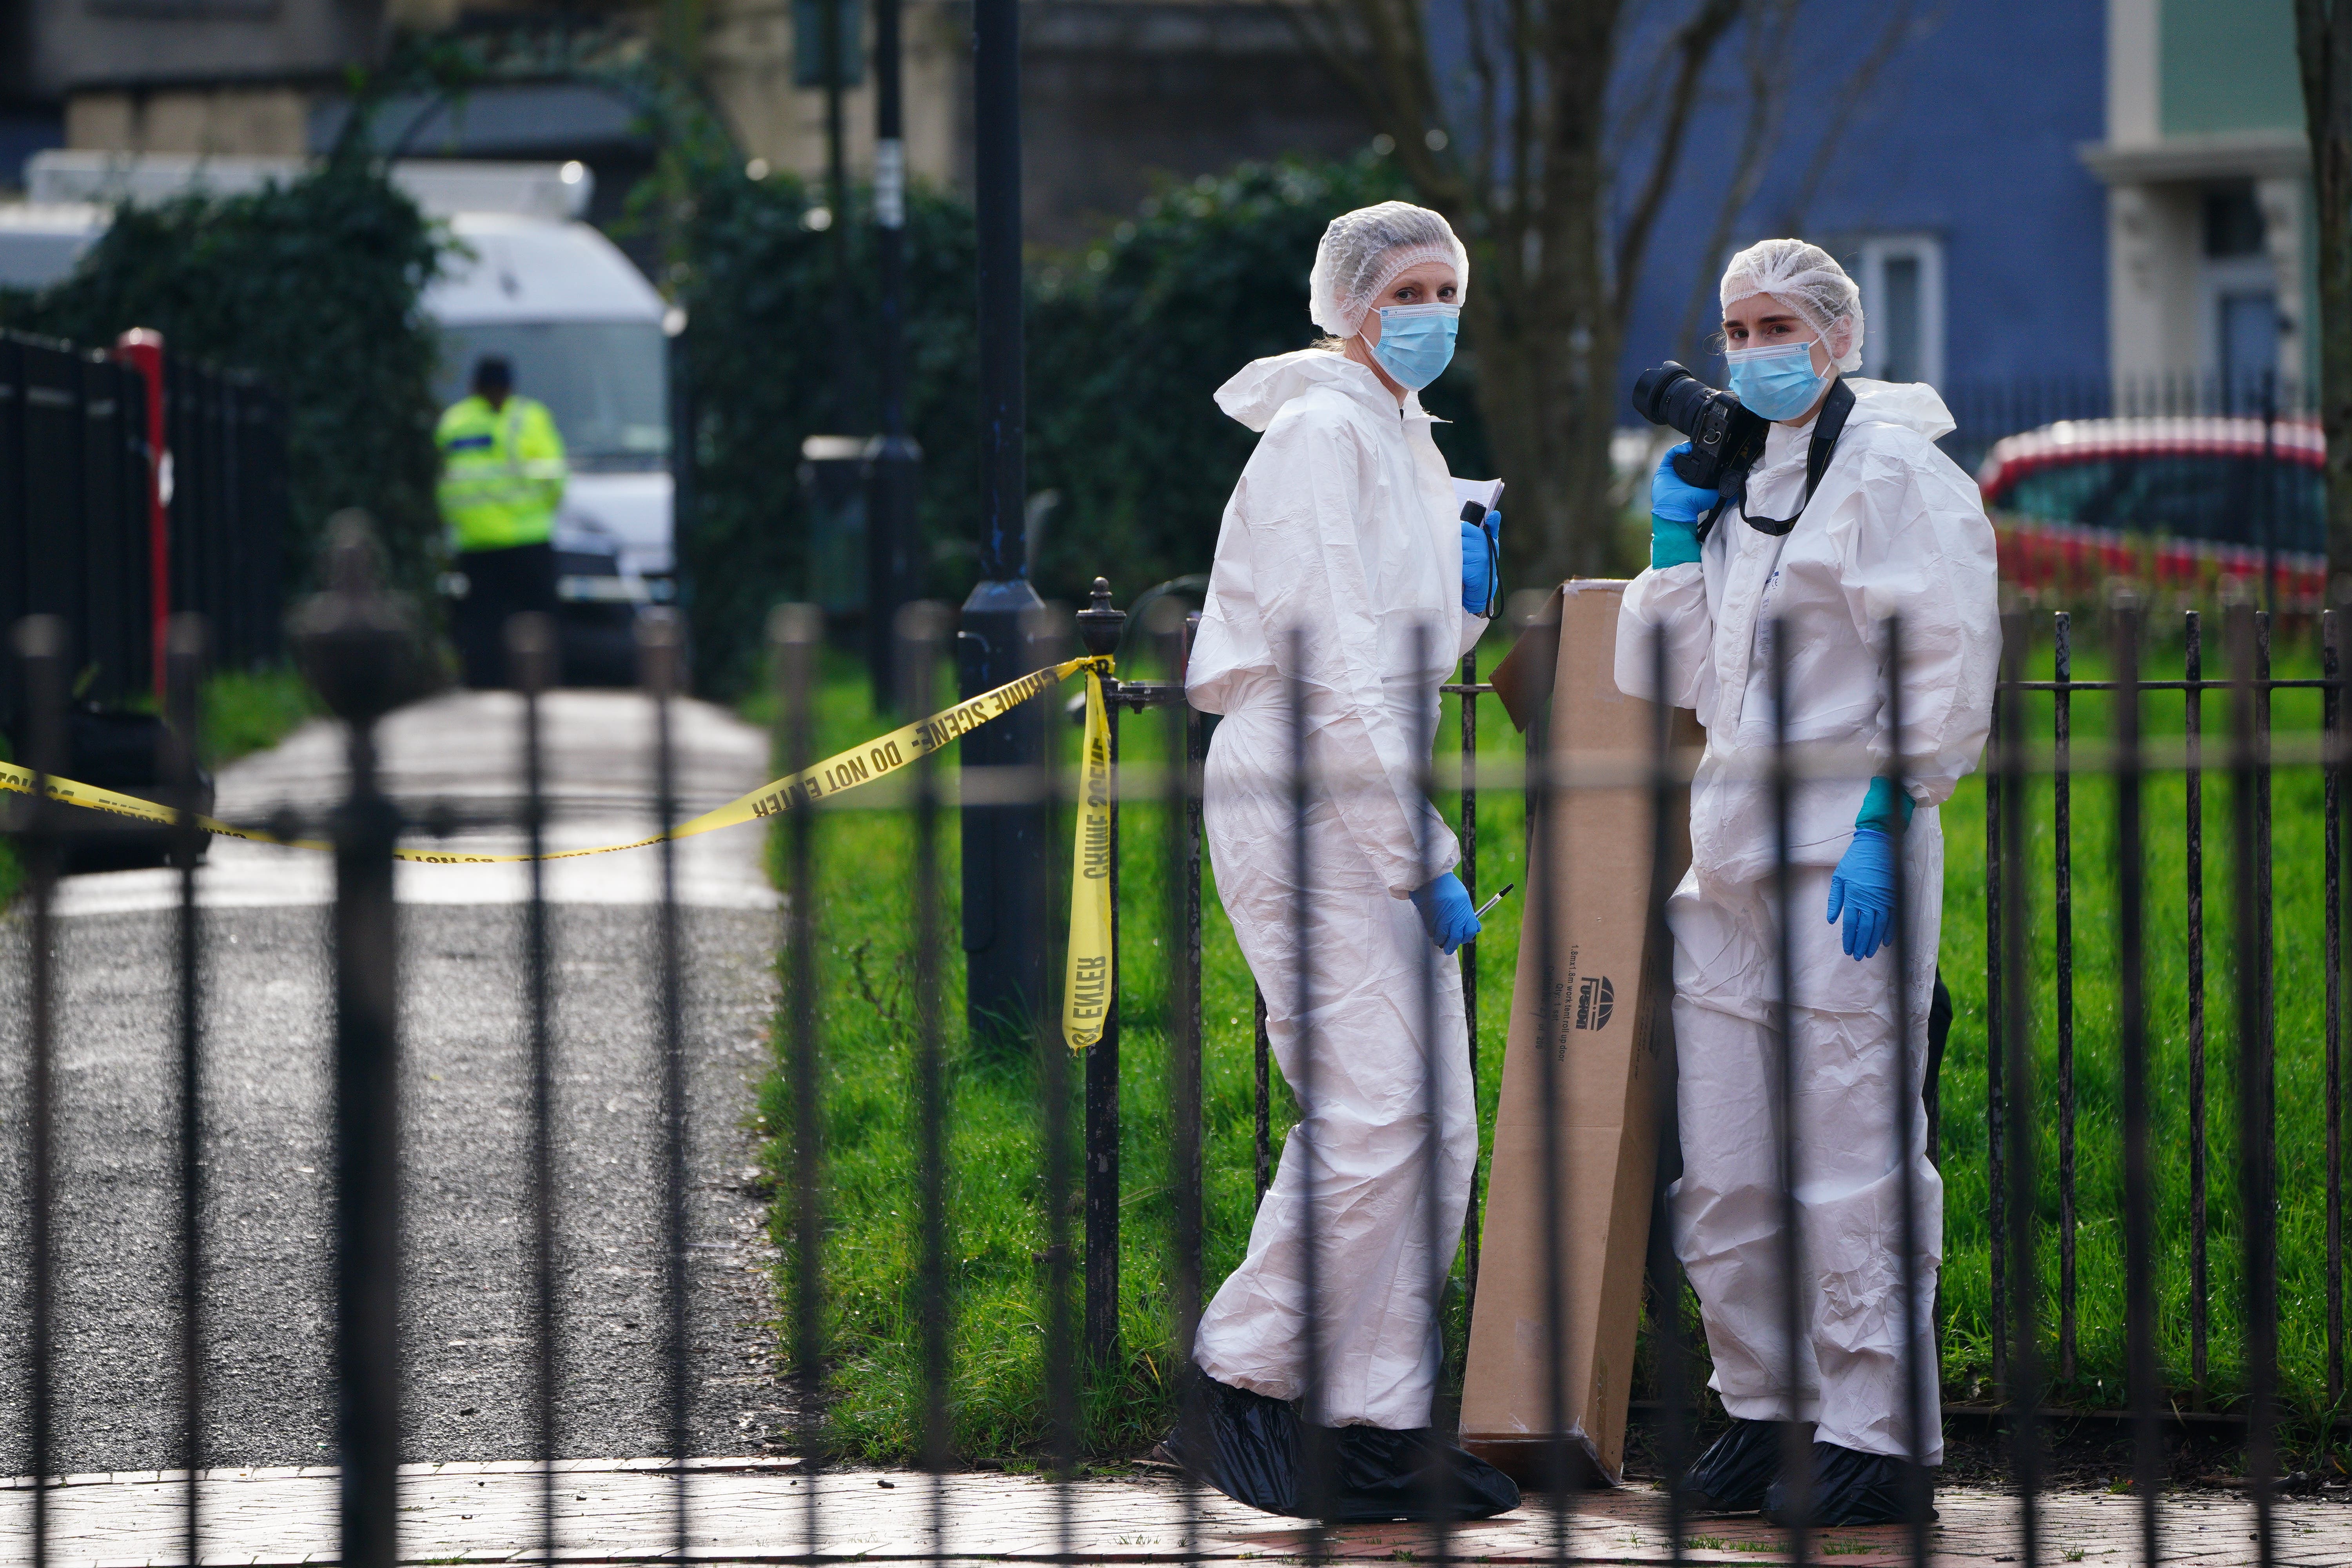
[1928, 251]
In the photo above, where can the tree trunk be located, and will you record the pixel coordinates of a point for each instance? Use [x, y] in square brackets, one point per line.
[1546, 382]
[1545, 325]
[2324, 47]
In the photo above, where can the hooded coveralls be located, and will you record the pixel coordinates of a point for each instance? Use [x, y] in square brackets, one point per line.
[1895, 528]
[1343, 530]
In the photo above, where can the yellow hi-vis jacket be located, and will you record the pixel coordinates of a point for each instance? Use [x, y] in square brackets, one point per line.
[502, 472]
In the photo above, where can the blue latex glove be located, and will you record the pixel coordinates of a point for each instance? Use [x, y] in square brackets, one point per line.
[1482, 564]
[1444, 907]
[1675, 507]
[1863, 890]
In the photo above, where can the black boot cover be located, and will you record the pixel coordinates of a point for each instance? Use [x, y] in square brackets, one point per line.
[1732, 1475]
[1253, 1450]
[1414, 1475]
[1250, 1447]
[1851, 1489]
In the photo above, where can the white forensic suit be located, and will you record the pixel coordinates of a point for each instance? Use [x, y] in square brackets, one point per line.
[1344, 531]
[1895, 528]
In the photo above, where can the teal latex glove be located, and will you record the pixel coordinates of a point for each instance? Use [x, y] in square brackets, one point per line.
[1675, 507]
[1445, 906]
[1482, 565]
[1878, 803]
[1862, 889]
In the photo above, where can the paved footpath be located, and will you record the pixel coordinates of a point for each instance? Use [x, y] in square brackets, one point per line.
[757, 1511]
[269, 1027]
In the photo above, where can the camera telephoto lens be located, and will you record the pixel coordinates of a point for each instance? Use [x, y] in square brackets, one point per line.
[1725, 438]
[1670, 394]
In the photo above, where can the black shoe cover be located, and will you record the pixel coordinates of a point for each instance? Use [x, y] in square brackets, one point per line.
[1253, 1450]
[1852, 1488]
[1250, 1447]
[1414, 1475]
[1731, 1475]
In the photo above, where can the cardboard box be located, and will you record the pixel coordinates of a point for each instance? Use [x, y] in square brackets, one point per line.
[1610, 982]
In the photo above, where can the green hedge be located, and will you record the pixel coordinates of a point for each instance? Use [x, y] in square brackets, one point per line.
[1127, 340]
[766, 327]
[314, 286]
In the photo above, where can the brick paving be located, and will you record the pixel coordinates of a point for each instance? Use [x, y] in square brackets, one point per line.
[757, 1511]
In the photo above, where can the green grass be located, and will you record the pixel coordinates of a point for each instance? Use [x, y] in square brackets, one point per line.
[2300, 979]
[246, 712]
[998, 1228]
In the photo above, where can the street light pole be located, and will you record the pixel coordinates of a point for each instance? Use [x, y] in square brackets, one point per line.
[890, 534]
[1005, 847]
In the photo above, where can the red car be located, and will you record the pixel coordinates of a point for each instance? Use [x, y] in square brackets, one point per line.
[2171, 502]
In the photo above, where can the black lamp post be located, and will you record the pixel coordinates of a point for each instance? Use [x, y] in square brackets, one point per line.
[1005, 848]
[890, 534]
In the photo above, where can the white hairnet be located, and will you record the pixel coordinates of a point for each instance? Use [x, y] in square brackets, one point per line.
[1363, 252]
[1808, 279]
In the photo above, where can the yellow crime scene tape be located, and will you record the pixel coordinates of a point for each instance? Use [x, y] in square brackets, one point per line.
[1086, 999]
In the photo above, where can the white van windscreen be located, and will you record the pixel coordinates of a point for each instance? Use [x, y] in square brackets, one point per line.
[606, 383]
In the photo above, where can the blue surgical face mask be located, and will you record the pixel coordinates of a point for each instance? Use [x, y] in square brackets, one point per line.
[1775, 382]
[1417, 341]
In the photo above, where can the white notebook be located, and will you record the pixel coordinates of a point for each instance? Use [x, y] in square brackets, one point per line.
[1487, 493]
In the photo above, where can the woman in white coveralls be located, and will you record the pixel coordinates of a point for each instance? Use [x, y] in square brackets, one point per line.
[1344, 534]
[1894, 529]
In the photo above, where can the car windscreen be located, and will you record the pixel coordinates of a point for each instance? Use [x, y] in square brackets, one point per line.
[606, 383]
[2187, 495]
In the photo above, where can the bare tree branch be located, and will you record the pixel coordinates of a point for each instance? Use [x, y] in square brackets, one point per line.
[1696, 42]
[1767, 59]
[1321, 28]
[1380, 52]
[1851, 93]
[1490, 93]
[1525, 115]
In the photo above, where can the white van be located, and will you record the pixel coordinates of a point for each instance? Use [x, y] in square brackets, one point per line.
[585, 333]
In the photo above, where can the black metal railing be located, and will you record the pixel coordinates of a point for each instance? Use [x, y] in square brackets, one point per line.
[358, 650]
[81, 481]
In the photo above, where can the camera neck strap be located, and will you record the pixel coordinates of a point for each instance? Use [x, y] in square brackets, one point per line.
[1827, 427]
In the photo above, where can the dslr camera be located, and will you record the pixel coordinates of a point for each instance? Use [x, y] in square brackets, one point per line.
[1725, 437]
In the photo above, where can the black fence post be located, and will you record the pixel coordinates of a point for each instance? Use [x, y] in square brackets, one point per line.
[658, 652]
[2193, 783]
[42, 656]
[2249, 792]
[531, 652]
[921, 630]
[1099, 627]
[2062, 911]
[356, 647]
[2139, 1189]
[184, 670]
[2023, 1393]
[1165, 624]
[1996, 1018]
[2332, 832]
[795, 634]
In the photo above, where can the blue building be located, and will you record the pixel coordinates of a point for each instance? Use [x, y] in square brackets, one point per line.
[1938, 149]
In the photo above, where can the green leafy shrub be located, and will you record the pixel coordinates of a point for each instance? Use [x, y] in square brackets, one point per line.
[1128, 341]
[769, 329]
[314, 286]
